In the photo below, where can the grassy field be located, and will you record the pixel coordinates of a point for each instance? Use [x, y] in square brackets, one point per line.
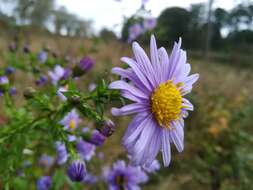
[223, 109]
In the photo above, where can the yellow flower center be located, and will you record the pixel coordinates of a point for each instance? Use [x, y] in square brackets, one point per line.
[166, 103]
[72, 124]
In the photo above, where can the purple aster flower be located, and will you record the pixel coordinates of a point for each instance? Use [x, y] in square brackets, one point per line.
[123, 176]
[97, 138]
[90, 179]
[71, 120]
[86, 150]
[153, 167]
[42, 80]
[135, 31]
[46, 161]
[57, 74]
[149, 23]
[44, 183]
[42, 56]
[9, 70]
[107, 128]
[4, 80]
[76, 171]
[62, 154]
[157, 87]
[12, 91]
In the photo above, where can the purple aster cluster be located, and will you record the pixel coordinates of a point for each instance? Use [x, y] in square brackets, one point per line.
[122, 176]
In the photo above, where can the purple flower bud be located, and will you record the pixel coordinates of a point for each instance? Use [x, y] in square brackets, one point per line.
[62, 154]
[86, 64]
[66, 74]
[26, 48]
[42, 80]
[44, 183]
[9, 70]
[76, 171]
[107, 128]
[12, 91]
[97, 138]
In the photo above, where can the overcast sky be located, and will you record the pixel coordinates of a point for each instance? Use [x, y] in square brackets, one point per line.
[109, 13]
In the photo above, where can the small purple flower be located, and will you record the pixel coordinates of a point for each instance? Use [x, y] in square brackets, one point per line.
[42, 56]
[107, 128]
[135, 31]
[97, 138]
[123, 176]
[62, 154]
[9, 70]
[4, 80]
[149, 23]
[90, 179]
[71, 120]
[4, 83]
[46, 161]
[44, 183]
[153, 167]
[42, 80]
[86, 63]
[12, 91]
[76, 171]
[57, 74]
[86, 150]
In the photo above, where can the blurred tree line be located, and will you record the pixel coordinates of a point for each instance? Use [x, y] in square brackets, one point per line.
[230, 29]
[42, 14]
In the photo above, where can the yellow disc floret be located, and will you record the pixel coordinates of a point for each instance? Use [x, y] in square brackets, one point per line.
[72, 124]
[166, 103]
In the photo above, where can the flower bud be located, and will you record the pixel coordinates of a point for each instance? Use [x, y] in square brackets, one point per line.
[83, 67]
[4, 83]
[108, 128]
[76, 171]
